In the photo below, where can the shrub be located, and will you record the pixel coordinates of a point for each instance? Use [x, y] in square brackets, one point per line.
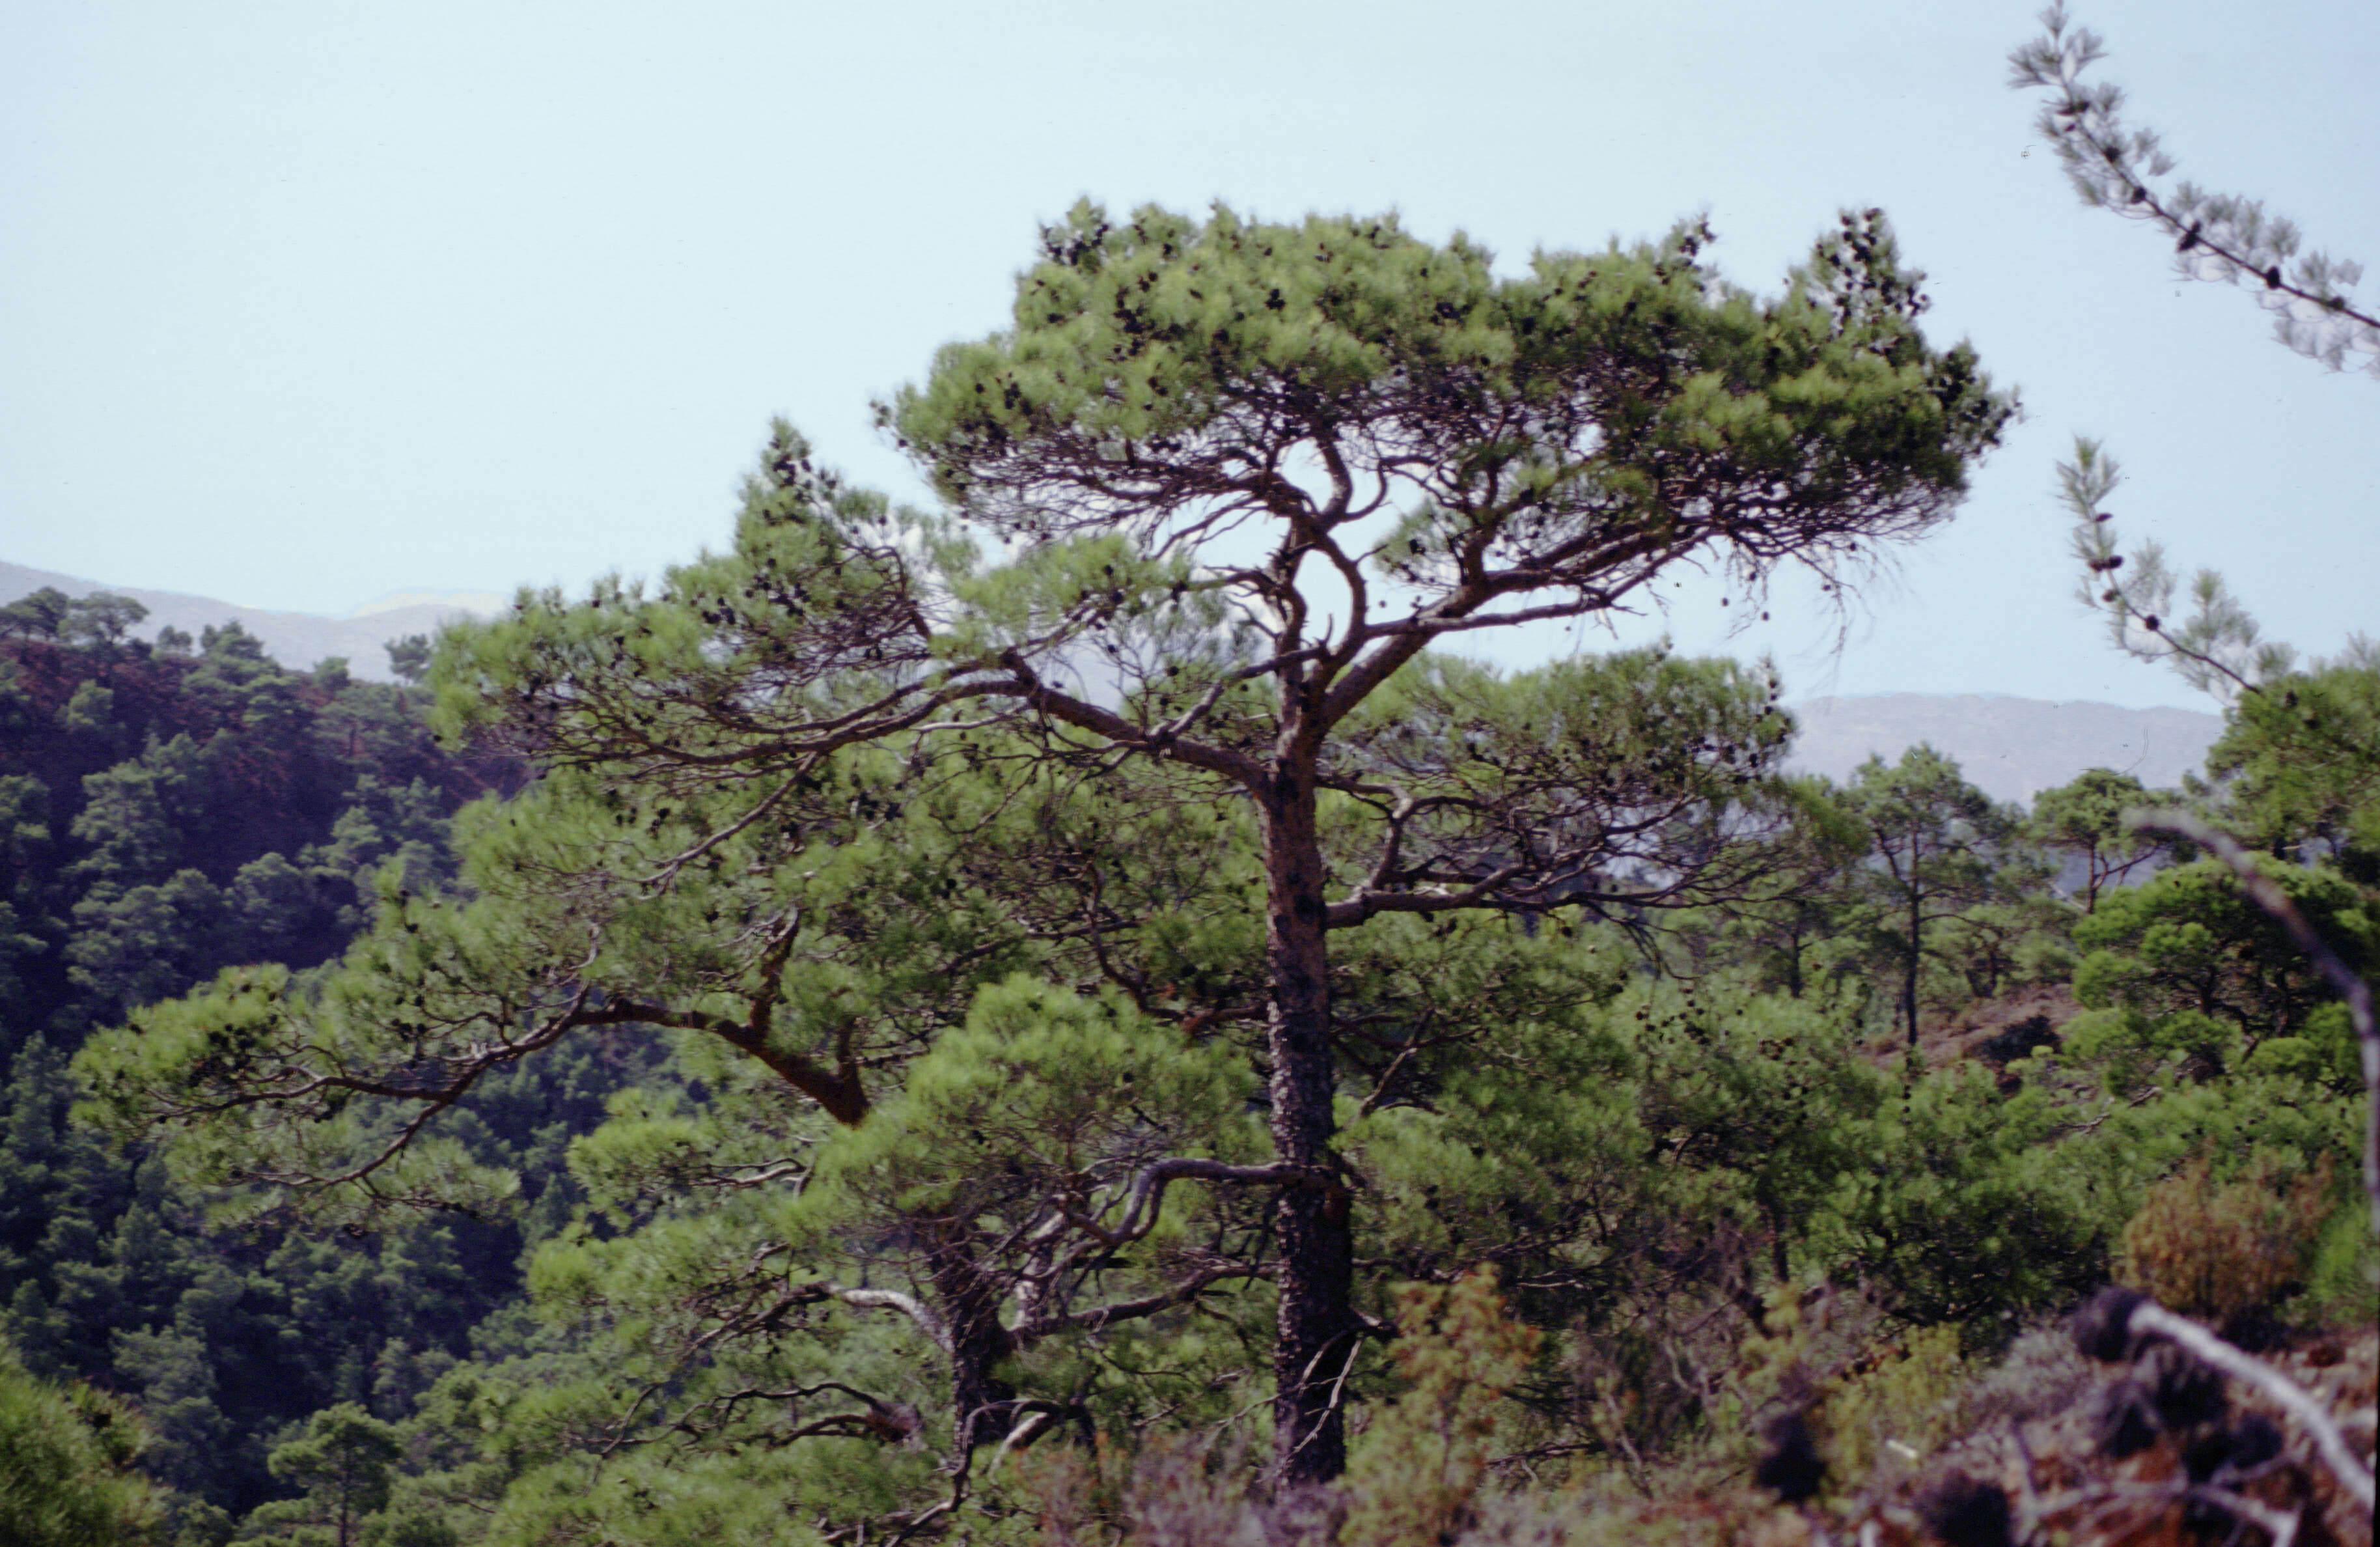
[2216, 1250]
[1910, 1397]
[1413, 1473]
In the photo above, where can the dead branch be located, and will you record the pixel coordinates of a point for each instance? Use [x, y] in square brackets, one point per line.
[2149, 1318]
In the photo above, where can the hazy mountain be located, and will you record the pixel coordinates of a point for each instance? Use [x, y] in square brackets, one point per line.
[296, 639]
[2012, 749]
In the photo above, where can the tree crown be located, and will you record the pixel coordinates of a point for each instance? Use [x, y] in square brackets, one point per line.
[1571, 430]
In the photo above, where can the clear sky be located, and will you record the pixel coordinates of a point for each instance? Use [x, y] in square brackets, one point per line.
[302, 304]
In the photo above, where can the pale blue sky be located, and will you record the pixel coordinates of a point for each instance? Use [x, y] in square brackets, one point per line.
[301, 304]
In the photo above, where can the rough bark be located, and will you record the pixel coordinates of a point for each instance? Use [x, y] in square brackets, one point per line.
[981, 1403]
[1317, 1328]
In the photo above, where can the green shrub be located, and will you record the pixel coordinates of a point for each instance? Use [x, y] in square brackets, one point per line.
[1412, 1474]
[1909, 1397]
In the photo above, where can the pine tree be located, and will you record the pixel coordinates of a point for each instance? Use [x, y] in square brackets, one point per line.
[1937, 843]
[816, 799]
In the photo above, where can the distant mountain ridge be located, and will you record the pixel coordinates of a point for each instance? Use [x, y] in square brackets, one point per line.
[2012, 749]
[296, 639]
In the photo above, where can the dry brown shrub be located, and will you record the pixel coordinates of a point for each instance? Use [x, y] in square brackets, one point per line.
[2215, 1251]
[1182, 1496]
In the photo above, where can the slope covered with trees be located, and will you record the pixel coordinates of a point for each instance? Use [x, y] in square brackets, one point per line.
[174, 808]
[167, 812]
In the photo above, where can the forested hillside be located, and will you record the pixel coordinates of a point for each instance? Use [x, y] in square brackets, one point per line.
[168, 811]
[178, 807]
[851, 1087]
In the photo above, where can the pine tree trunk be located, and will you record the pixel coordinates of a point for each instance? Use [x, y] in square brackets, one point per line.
[1916, 946]
[980, 1401]
[1317, 1330]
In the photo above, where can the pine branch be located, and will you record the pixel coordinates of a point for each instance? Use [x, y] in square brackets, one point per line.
[2219, 648]
[2216, 236]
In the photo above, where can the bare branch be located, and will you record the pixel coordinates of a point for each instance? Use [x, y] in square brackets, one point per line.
[1098, 1317]
[2152, 1318]
[1149, 1188]
[916, 1310]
